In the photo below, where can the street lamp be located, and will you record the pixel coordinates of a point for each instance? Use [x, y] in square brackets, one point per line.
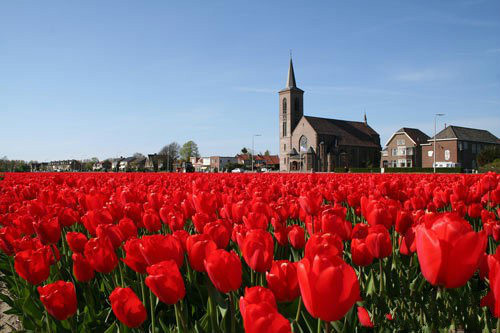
[434, 149]
[253, 136]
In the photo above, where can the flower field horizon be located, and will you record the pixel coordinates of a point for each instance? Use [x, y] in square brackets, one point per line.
[168, 252]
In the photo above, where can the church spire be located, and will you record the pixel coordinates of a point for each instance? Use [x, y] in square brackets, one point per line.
[365, 120]
[290, 82]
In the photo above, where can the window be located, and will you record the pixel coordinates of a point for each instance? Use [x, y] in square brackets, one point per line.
[401, 142]
[430, 153]
[474, 148]
[284, 147]
[393, 163]
[394, 152]
[303, 143]
[409, 151]
[409, 163]
[460, 146]
[401, 151]
[284, 106]
[284, 128]
[466, 146]
[447, 154]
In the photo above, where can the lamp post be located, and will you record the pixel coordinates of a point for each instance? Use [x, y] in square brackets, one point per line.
[253, 136]
[434, 148]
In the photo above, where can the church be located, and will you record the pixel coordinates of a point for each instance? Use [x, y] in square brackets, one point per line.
[319, 144]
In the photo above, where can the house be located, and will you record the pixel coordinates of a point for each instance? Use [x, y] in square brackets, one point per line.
[64, 166]
[404, 149]
[115, 163]
[219, 163]
[200, 164]
[102, 166]
[244, 159]
[321, 144]
[457, 147]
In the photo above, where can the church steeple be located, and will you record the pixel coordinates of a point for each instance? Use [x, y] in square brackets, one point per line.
[290, 82]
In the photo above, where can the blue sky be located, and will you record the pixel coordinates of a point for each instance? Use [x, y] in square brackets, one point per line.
[107, 78]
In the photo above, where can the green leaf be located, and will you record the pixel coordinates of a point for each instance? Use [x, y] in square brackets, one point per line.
[111, 328]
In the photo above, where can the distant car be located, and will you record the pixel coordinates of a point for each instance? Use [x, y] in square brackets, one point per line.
[238, 170]
[265, 170]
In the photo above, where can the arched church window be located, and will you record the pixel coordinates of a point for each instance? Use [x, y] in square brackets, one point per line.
[284, 106]
[303, 143]
[284, 128]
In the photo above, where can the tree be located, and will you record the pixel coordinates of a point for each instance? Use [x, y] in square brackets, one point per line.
[171, 150]
[244, 150]
[488, 154]
[139, 156]
[188, 150]
[267, 153]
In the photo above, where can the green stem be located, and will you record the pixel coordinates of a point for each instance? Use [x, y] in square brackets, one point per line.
[318, 330]
[47, 322]
[211, 311]
[152, 307]
[233, 314]
[299, 307]
[498, 325]
[121, 274]
[381, 277]
[179, 319]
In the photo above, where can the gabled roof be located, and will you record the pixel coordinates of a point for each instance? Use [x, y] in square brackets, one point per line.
[415, 134]
[353, 133]
[466, 134]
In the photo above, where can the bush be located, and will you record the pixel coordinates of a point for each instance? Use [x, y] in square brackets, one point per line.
[422, 170]
[488, 155]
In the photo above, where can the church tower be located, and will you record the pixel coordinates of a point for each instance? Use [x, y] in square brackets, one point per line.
[291, 110]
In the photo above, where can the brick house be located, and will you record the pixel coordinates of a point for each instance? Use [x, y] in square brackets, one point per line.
[457, 146]
[404, 149]
[321, 144]
[219, 163]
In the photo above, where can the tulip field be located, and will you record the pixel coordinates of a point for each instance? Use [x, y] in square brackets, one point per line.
[160, 252]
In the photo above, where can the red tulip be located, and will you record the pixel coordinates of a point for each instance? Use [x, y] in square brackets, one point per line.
[158, 248]
[198, 247]
[324, 245]
[219, 232]
[361, 255]
[378, 242]
[259, 312]
[492, 299]
[449, 251]
[101, 254]
[329, 287]
[257, 295]
[48, 230]
[165, 281]
[59, 298]
[224, 270]
[364, 317]
[311, 202]
[133, 256]
[34, 265]
[151, 221]
[82, 269]
[112, 232]
[128, 228]
[127, 307]
[76, 241]
[258, 250]
[297, 237]
[282, 280]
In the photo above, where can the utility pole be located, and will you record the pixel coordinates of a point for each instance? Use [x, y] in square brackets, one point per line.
[434, 148]
[253, 136]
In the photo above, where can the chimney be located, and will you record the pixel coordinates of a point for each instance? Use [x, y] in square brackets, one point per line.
[444, 125]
